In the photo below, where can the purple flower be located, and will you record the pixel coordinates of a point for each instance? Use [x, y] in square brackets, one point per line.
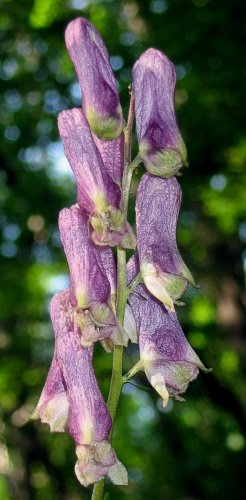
[161, 146]
[53, 405]
[166, 356]
[91, 281]
[89, 420]
[71, 400]
[98, 195]
[99, 92]
[162, 268]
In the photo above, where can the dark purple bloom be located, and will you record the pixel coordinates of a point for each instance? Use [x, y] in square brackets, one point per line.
[161, 146]
[91, 285]
[98, 195]
[99, 92]
[162, 268]
[166, 356]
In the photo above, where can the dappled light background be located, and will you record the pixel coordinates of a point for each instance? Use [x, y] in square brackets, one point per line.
[190, 451]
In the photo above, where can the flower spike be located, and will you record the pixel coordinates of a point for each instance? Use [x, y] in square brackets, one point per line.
[99, 92]
[162, 268]
[161, 146]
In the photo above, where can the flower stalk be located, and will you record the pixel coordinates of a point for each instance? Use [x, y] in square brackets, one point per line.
[134, 300]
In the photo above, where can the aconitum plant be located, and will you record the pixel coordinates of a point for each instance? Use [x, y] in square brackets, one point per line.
[108, 302]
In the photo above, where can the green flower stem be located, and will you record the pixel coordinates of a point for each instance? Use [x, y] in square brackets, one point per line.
[116, 379]
[135, 369]
[134, 283]
[98, 491]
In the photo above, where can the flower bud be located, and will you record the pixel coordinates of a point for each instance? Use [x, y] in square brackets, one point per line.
[162, 268]
[99, 92]
[161, 146]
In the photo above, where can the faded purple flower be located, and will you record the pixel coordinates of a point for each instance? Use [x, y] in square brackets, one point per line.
[166, 356]
[161, 146]
[99, 92]
[98, 195]
[71, 400]
[162, 268]
[53, 405]
[90, 288]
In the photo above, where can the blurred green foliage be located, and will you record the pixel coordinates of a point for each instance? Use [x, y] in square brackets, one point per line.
[195, 450]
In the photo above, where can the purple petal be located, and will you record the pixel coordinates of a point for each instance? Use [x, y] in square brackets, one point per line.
[89, 418]
[160, 144]
[53, 405]
[112, 153]
[106, 261]
[87, 281]
[99, 92]
[162, 268]
[169, 361]
[96, 191]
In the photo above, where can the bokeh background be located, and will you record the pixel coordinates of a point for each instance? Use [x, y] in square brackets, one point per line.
[194, 450]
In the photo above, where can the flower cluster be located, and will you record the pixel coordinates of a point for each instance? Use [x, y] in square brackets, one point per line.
[156, 276]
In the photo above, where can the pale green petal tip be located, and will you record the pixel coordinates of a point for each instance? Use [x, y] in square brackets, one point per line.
[118, 474]
[105, 128]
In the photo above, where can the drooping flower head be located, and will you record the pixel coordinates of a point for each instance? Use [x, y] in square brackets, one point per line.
[99, 92]
[162, 268]
[161, 146]
[98, 195]
[166, 356]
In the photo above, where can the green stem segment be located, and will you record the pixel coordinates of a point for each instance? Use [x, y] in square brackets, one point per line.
[116, 379]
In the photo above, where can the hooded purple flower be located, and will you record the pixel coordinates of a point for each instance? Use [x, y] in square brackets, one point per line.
[166, 356]
[89, 419]
[86, 415]
[162, 268]
[99, 92]
[91, 281]
[98, 195]
[161, 146]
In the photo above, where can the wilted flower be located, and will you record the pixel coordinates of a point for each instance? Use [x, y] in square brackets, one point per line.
[98, 195]
[162, 268]
[166, 356]
[99, 92]
[161, 146]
